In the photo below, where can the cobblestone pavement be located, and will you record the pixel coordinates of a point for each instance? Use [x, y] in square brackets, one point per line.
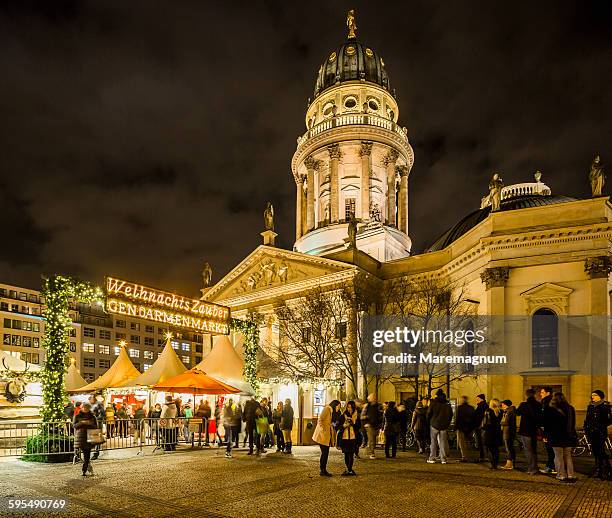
[205, 483]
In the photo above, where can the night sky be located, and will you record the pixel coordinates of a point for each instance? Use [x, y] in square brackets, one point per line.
[142, 138]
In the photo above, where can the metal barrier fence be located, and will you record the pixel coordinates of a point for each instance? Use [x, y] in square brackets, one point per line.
[28, 438]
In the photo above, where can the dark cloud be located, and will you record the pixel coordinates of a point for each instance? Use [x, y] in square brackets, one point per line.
[143, 138]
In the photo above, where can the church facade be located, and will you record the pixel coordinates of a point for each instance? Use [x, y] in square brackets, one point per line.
[524, 252]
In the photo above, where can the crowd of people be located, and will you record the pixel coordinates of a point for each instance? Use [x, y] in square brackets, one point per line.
[481, 429]
[490, 425]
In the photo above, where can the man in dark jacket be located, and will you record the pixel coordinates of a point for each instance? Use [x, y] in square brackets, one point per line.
[464, 424]
[286, 424]
[248, 416]
[371, 420]
[440, 415]
[479, 412]
[84, 421]
[530, 411]
[598, 418]
[545, 397]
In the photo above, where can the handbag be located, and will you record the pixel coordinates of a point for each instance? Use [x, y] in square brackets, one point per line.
[95, 436]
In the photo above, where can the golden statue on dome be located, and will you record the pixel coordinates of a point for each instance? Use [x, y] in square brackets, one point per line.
[351, 24]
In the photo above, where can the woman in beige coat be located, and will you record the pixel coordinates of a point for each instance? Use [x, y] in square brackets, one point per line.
[325, 434]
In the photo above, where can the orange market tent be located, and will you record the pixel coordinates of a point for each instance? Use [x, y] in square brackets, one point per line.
[73, 379]
[167, 365]
[224, 364]
[195, 381]
[120, 372]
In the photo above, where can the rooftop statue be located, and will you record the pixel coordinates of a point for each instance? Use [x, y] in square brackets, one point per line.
[269, 217]
[495, 190]
[207, 275]
[597, 177]
[352, 231]
[351, 24]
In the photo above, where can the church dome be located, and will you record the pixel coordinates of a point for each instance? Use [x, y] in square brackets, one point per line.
[474, 218]
[352, 61]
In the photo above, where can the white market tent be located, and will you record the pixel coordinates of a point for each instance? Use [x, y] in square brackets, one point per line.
[224, 364]
[167, 365]
[73, 379]
[15, 364]
[120, 372]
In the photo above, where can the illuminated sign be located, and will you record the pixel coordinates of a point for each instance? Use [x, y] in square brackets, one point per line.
[135, 300]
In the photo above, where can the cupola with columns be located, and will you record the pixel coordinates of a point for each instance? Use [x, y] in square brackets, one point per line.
[354, 158]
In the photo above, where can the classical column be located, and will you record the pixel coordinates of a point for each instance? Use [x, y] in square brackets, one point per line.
[366, 167]
[334, 159]
[598, 269]
[389, 162]
[311, 164]
[299, 194]
[402, 209]
[304, 206]
[495, 282]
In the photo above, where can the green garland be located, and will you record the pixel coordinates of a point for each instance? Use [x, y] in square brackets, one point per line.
[250, 331]
[59, 292]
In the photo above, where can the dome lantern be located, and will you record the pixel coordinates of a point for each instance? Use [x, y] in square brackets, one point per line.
[352, 61]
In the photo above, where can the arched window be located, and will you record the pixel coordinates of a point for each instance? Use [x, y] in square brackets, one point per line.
[544, 338]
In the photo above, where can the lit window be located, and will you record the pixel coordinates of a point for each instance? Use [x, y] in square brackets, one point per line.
[104, 349]
[36, 342]
[175, 346]
[27, 341]
[185, 359]
[89, 348]
[134, 353]
[16, 340]
[185, 347]
[148, 355]
[117, 351]
[146, 366]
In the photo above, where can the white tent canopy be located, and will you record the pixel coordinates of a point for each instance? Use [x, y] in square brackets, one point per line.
[73, 379]
[120, 372]
[167, 365]
[224, 364]
[14, 363]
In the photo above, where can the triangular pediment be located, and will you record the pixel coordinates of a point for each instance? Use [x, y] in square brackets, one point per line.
[547, 289]
[547, 295]
[269, 268]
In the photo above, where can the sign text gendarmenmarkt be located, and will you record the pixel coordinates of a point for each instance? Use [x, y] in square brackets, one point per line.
[135, 300]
